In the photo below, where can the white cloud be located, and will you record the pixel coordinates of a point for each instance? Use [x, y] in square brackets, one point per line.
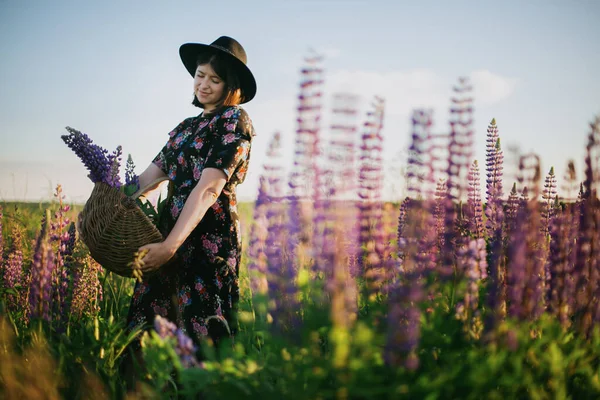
[490, 88]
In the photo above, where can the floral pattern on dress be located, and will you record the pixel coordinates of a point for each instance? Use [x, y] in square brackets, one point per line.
[203, 282]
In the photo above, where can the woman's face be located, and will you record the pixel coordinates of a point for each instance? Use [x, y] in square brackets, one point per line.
[208, 87]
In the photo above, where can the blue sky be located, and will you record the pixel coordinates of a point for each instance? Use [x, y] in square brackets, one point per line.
[112, 70]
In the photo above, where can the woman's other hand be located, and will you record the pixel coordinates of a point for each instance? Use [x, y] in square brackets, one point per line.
[158, 254]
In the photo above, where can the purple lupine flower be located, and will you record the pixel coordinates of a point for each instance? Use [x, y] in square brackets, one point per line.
[1, 239]
[257, 267]
[441, 193]
[404, 207]
[569, 186]
[561, 260]
[497, 295]
[341, 185]
[512, 208]
[548, 197]
[164, 327]
[461, 138]
[186, 349]
[473, 261]
[419, 236]
[494, 171]
[60, 236]
[42, 267]
[87, 290]
[474, 206]
[494, 158]
[114, 160]
[586, 265]
[370, 206]
[527, 260]
[516, 269]
[278, 248]
[184, 345]
[12, 276]
[404, 328]
[94, 157]
[459, 157]
[305, 178]
[130, 176]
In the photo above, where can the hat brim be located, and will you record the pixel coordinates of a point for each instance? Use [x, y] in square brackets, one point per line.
[189, 54]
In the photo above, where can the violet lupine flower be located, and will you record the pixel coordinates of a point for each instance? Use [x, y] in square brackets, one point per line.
[370, 206]
[94, 157]
[548, 197]
[130, 176]
[404, 328]
[569, 186]
[12, 276]
[419, 235]
[60, 237]
[87, 290]
[279, 253]
[497, 283]
[305, 181]
[404, 207]
[184, 345]
[530, 256]
[494, 171]
[257, 266]
[114, 160]
[342, 184]
[561, 261]
[461, 138]
[458, 162]
[473, 261]
[42, 267]
[441, 193]
[1, 239]
[586, 265]
[512, 208]
[516, 269]
[524, 199]
[474, 205]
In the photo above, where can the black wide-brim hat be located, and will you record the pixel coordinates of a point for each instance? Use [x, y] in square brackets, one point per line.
[232, 50]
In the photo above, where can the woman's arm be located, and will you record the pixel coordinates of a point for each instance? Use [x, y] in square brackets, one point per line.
[203, 196]
[151, 174]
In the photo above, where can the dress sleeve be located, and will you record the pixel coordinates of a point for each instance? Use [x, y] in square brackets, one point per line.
[231, 148]
[165, 154]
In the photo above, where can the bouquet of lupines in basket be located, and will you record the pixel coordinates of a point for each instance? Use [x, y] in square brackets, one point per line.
[105, 167]
[114, 222]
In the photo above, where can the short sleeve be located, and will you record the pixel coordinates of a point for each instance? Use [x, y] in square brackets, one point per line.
[161, 159]
[231, 147]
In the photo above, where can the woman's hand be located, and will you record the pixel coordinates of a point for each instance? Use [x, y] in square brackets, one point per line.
[157, 255]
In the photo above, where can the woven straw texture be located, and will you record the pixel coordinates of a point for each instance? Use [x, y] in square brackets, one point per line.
[113, 227]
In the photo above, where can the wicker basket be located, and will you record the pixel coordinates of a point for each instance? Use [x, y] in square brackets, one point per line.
[113, 227]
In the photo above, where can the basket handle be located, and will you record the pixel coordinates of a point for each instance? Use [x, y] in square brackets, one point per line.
[149, 186]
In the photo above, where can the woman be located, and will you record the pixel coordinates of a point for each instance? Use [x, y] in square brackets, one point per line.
[205, 158]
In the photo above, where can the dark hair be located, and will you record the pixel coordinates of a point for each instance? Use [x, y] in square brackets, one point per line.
[232, 93]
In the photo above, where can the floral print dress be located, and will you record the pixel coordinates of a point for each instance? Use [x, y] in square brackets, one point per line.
[200, 290]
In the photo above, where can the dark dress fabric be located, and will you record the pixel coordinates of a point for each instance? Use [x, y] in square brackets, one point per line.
[200, 290]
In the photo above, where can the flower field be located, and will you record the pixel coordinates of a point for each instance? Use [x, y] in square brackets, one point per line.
[460, 290]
